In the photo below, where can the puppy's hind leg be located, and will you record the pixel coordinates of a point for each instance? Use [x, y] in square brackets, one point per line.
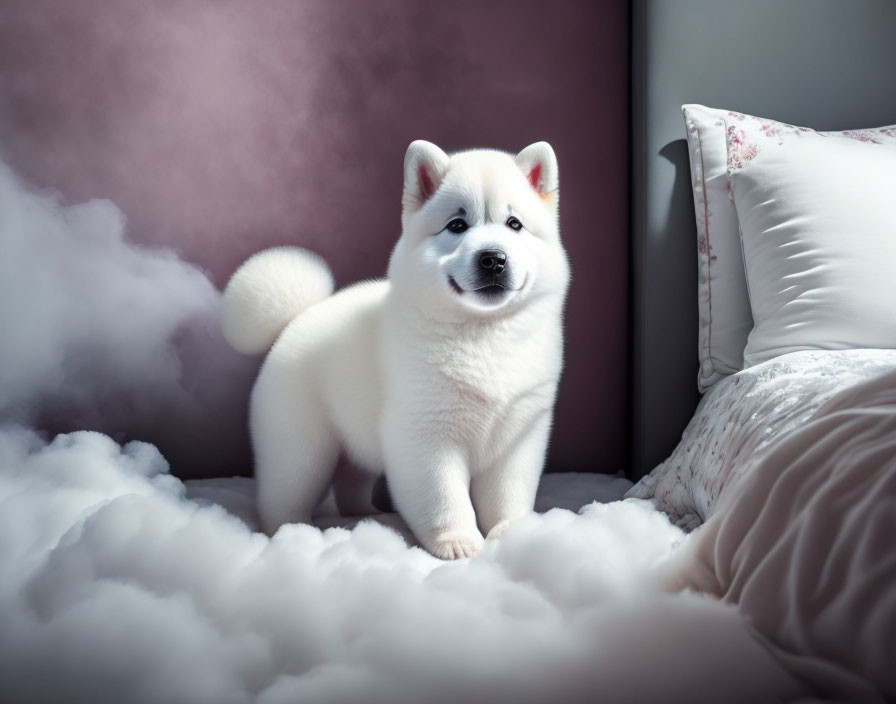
[295, 457]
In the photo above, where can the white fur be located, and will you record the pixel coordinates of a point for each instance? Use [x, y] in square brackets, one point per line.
[449, 393]
[267, 292]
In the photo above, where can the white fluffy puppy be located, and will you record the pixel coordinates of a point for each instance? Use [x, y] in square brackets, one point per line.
[443, 375]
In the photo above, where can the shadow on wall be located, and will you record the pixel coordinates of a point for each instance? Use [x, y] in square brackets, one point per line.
[679, 275]
[220, 128]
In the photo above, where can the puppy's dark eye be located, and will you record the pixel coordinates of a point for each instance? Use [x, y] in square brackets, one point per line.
[457, 226]
[514, 224]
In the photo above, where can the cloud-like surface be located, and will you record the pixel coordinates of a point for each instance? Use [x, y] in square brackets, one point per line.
[88, 318]
[96, 332]
[114, 587]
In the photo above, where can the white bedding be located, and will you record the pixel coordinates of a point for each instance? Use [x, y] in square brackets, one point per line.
[565, 490]
[741, 415]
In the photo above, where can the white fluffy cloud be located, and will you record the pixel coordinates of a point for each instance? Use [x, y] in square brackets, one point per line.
[115, 587]
[86, 317]
[96, 332]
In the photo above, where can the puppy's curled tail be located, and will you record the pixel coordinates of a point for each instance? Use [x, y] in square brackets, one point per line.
[270, 289]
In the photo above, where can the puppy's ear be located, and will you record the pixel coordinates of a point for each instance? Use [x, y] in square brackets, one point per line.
[539, 165]
[424, 167]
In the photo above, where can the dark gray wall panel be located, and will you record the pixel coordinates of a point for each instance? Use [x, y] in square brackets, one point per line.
[826, 64]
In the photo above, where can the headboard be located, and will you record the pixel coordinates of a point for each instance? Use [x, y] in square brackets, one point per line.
[825, 64]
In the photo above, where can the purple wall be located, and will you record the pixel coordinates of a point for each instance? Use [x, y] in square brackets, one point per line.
[222, 127]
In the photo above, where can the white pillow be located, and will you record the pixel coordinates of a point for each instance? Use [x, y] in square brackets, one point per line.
[724, 307]
[725, 317]
[817, 214]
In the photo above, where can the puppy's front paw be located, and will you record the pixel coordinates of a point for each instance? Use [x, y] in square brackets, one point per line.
[455, 544]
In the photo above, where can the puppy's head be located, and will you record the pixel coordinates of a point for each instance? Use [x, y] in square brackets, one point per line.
[480, 234]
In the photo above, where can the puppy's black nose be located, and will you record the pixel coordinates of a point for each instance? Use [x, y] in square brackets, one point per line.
[492, 260]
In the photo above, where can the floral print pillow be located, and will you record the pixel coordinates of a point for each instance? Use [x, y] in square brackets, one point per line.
[745, 135]
[721, 142]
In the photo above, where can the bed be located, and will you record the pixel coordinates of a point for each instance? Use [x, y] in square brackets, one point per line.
[779, 459]
[749, 555]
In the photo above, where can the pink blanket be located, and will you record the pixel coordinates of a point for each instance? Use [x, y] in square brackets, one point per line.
[805, 545]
